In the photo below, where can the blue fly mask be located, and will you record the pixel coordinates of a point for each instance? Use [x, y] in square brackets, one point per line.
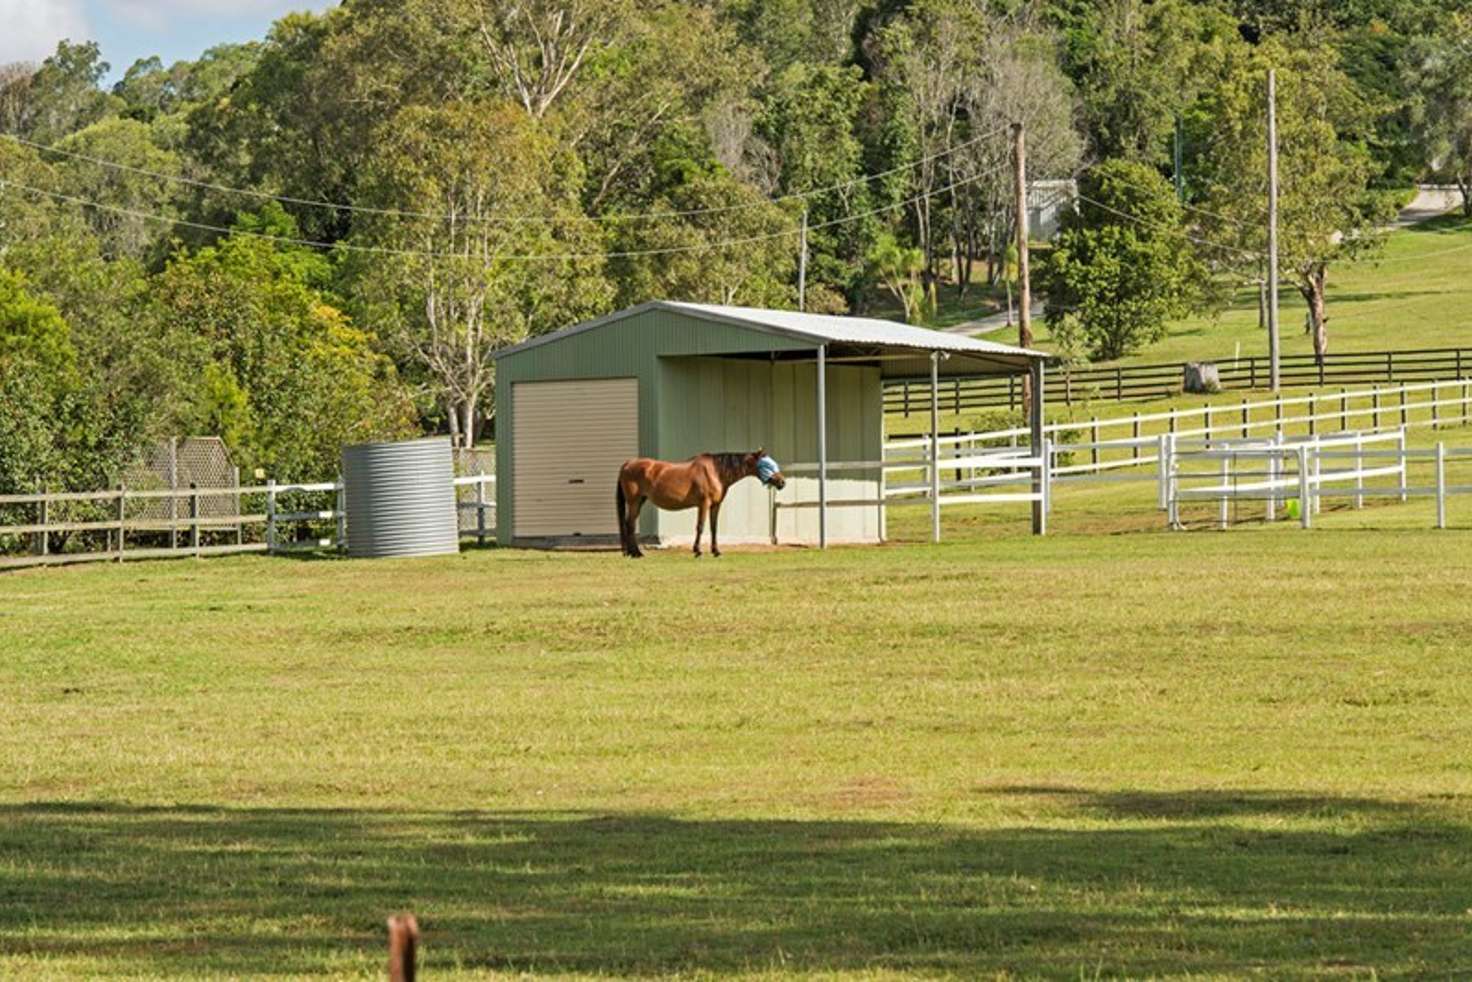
[766, 469]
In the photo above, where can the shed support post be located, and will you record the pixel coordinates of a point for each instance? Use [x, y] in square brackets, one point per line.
[1039, 520]
[935, 446]
[823, 446]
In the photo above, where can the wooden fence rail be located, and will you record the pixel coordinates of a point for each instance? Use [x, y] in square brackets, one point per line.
[186, 531]
[1123, 383]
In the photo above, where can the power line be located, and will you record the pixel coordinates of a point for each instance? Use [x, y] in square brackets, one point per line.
[550, 257]
[1152, 224]
[495, 219]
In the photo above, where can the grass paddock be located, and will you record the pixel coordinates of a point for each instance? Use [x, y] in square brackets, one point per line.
[1091, 755]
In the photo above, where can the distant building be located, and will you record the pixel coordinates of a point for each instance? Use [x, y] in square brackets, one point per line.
[1047, 202]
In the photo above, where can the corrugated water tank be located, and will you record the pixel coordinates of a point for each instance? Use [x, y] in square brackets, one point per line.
[401, 498]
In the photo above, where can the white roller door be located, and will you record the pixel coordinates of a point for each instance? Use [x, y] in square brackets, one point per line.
[568, 441]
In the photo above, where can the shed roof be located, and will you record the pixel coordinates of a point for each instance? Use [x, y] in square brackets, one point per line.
[901, 349]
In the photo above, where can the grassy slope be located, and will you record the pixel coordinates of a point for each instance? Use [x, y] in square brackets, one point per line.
[1414, 297]
[1179, 753]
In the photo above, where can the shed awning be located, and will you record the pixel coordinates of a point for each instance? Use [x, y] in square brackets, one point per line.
[900, 350]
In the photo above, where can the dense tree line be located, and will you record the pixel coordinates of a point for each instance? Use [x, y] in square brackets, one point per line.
[324, 235]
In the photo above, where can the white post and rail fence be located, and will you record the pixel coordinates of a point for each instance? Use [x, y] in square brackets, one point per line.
[272, 518]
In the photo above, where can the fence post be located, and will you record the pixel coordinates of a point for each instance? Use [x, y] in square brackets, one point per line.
[1173, 505]
[1245, 415]
[1390, 367]
[1313, 412]
[1359, 471]
[772, 508]
[1375, 408]
[1318, 477]
[956, 392]
[1275, 470]
[342, 514]
[122, 519]
[1435, 409]
[1403, 407]
[1224, 502]
[1343, 409]
[239, 527]
[1170, 420]
[1162, 470]
[1278, 414]
[1441, 484]
[1094, 438]
[194, 518]
[41, 544]
[1401, 446]
[1305, 499]
[1046, 463]
[1206, 419]
[1118, 384]
[271, 516]
[480, 509]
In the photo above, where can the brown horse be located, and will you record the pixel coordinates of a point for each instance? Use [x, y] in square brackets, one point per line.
[700, 482]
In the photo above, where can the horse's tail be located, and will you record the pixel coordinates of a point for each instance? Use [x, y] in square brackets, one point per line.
[620, 503]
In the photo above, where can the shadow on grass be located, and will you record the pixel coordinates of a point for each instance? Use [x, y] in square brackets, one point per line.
[1136, 882]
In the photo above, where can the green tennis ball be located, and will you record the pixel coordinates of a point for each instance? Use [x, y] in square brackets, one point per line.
[1294, 509]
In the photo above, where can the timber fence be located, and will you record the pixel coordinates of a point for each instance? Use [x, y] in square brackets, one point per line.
[1126, 382]
[122, 524]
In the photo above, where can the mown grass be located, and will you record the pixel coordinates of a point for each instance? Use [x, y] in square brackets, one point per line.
[1414, 295]
[1133, 754]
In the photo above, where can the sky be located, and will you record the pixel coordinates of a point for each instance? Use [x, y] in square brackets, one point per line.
[131, 29]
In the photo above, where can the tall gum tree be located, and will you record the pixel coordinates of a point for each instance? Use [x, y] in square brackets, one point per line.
[478, 265]
[1328, 214]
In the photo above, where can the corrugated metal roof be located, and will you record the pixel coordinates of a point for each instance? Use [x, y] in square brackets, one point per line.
[817, 328]
[854, 330]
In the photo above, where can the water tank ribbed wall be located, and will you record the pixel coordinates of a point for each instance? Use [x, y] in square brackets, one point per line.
[401, 498]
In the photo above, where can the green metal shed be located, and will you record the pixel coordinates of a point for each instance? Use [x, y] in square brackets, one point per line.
[670, 380]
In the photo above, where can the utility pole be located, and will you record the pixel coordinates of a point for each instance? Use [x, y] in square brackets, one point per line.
[1024, 288]
[1273, 368]
[802, 264]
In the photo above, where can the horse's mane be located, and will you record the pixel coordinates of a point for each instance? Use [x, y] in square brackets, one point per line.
[731, 465]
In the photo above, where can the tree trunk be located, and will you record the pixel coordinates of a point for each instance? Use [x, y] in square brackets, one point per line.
[1464, 185]
[452, 412]
[1312, 288]
[470, 429]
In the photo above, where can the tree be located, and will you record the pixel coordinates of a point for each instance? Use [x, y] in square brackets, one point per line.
[1114, 280]
[62, 95]
[1137, 65]
[120, 190]
[1327, 212]
[276, 367]
[475, 267]
[810, 123]
[1440, 74]
[902, 271]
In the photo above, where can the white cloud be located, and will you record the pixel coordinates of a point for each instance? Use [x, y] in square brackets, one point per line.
[31, 28]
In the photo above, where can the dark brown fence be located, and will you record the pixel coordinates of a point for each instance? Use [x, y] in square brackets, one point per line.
[1129, 382]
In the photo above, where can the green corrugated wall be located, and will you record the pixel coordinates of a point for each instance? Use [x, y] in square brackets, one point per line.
[690, 402]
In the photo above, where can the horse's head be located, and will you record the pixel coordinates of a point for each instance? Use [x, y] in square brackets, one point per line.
[767, 470]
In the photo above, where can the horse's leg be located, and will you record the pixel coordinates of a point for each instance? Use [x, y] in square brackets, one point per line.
[715, 519]
[700, 525]
[636, 504]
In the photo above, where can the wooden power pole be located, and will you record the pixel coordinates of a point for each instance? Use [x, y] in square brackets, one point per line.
[802, 264]
[1024, 288]
[1273, 341]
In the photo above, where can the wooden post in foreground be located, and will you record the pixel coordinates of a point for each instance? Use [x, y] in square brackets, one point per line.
[403, 944]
